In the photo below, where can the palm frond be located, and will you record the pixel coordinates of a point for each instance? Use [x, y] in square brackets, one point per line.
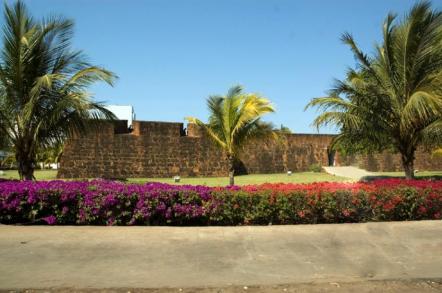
[235, 119]
[393, 98]
[43, 84]
[220, 141]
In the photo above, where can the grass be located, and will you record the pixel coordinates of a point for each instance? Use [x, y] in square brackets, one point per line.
[423, 174]
[301, 177]
[39, 174]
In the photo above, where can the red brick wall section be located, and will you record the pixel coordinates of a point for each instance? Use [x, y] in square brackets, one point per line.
[388, 161]
[294, 152]
[162, 149]
[153, 149]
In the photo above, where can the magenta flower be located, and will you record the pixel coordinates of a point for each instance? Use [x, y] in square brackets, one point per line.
[101, 202]
[50, 220]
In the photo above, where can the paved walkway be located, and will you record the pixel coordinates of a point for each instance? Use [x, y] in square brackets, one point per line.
[348, 171]
[155, 257]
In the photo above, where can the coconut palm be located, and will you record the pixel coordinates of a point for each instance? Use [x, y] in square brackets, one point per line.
[393, 100]
[43, 84]
[50, 155]
[234, 120]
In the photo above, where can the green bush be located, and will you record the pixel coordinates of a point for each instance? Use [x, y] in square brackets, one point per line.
[315, 168]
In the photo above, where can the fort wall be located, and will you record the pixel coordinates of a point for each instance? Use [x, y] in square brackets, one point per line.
[163, 149]
[390, 162]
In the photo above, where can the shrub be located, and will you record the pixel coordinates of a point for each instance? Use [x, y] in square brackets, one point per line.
[101, 202]
[315, 168]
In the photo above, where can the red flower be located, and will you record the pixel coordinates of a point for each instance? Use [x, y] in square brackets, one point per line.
[422, 210]
[346, 212]
[388, 206]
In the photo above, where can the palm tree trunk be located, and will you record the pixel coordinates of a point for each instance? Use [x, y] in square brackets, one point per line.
[26, 162]
[26, 169]
[408, 165]
[231, 170]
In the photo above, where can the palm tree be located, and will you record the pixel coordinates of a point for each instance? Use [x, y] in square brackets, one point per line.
[43, 84]
[234, 120]
[393, 100]
[50, 155]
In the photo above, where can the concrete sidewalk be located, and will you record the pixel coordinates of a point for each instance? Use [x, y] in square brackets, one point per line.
[349, 172]
[180, 257]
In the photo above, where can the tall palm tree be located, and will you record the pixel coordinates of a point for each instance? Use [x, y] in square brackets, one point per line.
[43, 84]
[394, 98]
[234, 120]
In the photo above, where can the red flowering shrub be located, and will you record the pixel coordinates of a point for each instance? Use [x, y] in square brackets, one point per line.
[115, 203]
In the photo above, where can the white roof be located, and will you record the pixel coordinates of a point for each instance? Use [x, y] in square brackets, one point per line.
[123, 112]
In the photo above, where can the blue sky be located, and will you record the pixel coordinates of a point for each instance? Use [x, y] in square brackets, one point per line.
[171, 54]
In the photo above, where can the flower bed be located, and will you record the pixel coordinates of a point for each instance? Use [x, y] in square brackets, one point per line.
[115, 203]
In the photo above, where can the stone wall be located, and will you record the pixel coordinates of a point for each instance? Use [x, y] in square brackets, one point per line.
[388, 161]
[152, 149]
[161, 149]
[294, 152]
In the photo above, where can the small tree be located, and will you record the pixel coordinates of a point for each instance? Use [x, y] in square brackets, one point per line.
[234, 120]
[392, 100]
[43, 82]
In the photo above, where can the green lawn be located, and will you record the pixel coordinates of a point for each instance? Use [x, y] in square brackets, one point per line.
[301, 177]
[39, 174]
[418, 174]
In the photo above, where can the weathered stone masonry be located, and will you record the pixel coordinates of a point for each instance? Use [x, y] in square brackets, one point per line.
[161, 149]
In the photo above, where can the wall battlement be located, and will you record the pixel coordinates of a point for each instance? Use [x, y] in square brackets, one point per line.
[165, 149]
[152, 128]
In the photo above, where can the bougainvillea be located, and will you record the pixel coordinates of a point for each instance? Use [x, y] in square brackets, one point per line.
[101, 202]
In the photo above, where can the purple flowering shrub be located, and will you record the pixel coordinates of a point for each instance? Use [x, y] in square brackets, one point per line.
[102, 202]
